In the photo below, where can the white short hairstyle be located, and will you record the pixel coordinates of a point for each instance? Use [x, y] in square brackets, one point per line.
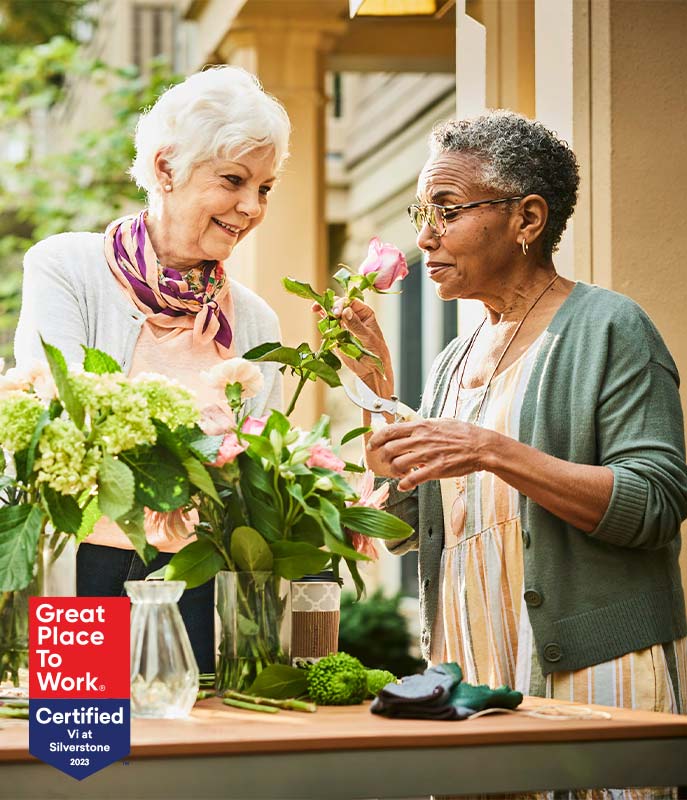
[218, 113]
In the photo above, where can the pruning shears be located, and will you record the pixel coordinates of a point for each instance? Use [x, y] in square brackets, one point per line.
[368, 400]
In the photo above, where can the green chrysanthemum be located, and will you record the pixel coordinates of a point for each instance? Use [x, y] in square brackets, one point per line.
[64, 463]
[337, 680]
[19, 414]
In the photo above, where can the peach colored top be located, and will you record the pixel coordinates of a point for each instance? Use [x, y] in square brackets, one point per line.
[174, 354]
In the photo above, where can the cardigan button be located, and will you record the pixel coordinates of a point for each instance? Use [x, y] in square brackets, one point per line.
[552, 652]
[429, 532]
[533, 598]
[425, 583]
[525, 537]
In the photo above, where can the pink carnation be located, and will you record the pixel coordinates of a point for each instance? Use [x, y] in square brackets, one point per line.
[254, 425]
[321, 456]
[228, 450]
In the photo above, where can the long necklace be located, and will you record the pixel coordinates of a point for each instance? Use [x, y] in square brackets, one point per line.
[471, 343]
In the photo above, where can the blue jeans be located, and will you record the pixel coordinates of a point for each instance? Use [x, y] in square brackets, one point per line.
[101, 572]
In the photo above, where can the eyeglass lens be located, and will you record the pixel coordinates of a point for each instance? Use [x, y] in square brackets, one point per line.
[429, 214]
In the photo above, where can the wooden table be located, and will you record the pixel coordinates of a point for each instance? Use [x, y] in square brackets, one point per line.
[349, 753]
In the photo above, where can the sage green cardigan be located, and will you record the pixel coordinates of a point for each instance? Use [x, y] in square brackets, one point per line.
[603, 390]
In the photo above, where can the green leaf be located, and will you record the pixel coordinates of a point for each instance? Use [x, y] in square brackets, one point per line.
[161, 482]
[376, 523]
[261, 448]
[43, 420]
[331, 516]
[20, 528]
[280, 682]
[277, 422]
[351, 467]
[309, 528]
[301, 289]
[293, 560]
[58, 368]
[332, 360]
[357, 578]
[328, 374]
[342, 276]
[319, 431]
[200, 477]
[91, 514]
[254, 476]
[341, 549]
[248, 626]
[64, 511]
[133, 525]
[274, 351]
[197, 563]
[205, 447]
[115, 487]
[250, 551]
[98, 362]
[355, 433]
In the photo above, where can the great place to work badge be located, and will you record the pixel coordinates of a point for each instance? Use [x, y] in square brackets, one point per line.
[79, 718]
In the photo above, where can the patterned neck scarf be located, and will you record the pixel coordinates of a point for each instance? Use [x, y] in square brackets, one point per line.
[169, 298]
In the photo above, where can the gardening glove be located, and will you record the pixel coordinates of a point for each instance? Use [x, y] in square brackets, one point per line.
[440, 693]
[425, 696]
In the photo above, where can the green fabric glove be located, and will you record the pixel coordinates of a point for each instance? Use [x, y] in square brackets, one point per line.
[441, 693]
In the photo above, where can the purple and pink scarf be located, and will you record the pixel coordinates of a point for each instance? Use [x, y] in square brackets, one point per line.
[169, 298]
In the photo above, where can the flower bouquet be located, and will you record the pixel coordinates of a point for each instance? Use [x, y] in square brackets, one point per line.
[281, 509]
[78, 445]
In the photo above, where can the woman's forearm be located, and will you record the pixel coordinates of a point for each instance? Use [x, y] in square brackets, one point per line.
[577, 493]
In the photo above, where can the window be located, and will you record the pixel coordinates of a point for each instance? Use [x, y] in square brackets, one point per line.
[152, 33]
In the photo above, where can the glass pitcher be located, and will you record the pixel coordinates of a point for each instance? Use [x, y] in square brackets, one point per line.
[164, 673]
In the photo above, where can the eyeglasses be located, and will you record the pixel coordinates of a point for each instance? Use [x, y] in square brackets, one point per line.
[437, 216]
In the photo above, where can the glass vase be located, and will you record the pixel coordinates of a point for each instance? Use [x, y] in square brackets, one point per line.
[53, 576]
[254, 612]
[164, 673]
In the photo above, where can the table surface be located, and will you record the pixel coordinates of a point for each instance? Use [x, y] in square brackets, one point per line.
[215, 729]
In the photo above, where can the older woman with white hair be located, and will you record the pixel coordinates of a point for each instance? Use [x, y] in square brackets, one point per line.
[152, 291]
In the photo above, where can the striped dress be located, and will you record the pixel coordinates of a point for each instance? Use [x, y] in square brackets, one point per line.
[482, 621]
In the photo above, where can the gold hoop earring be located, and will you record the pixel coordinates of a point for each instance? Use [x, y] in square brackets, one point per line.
[525, 247]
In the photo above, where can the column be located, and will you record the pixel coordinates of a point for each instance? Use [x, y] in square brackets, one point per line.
[289, 60]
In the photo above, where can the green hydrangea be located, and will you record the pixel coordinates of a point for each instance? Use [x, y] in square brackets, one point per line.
[64, 463]
[168, 402]
[118, 411]
[19, 414]
[337, 680]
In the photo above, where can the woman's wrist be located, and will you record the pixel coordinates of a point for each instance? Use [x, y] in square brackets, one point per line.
[488, 445]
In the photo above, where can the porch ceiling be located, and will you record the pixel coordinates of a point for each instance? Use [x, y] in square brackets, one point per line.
[366, 44]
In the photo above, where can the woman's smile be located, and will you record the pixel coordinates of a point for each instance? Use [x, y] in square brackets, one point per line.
[230, 230]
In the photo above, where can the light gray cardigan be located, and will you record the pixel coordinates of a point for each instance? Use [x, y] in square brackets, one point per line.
[71, 298]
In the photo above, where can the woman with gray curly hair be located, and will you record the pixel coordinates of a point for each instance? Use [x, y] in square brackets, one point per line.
[153, 292]
[546, 478]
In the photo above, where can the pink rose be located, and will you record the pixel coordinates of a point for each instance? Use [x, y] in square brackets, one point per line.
[228, 450]
[321, 456]
[254, 425]
[387, 261]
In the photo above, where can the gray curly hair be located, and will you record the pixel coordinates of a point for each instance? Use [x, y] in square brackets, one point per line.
[517, 156]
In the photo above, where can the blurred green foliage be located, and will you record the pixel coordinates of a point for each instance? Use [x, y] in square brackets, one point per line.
[376, 632]
[82, 184]
[37, 21]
